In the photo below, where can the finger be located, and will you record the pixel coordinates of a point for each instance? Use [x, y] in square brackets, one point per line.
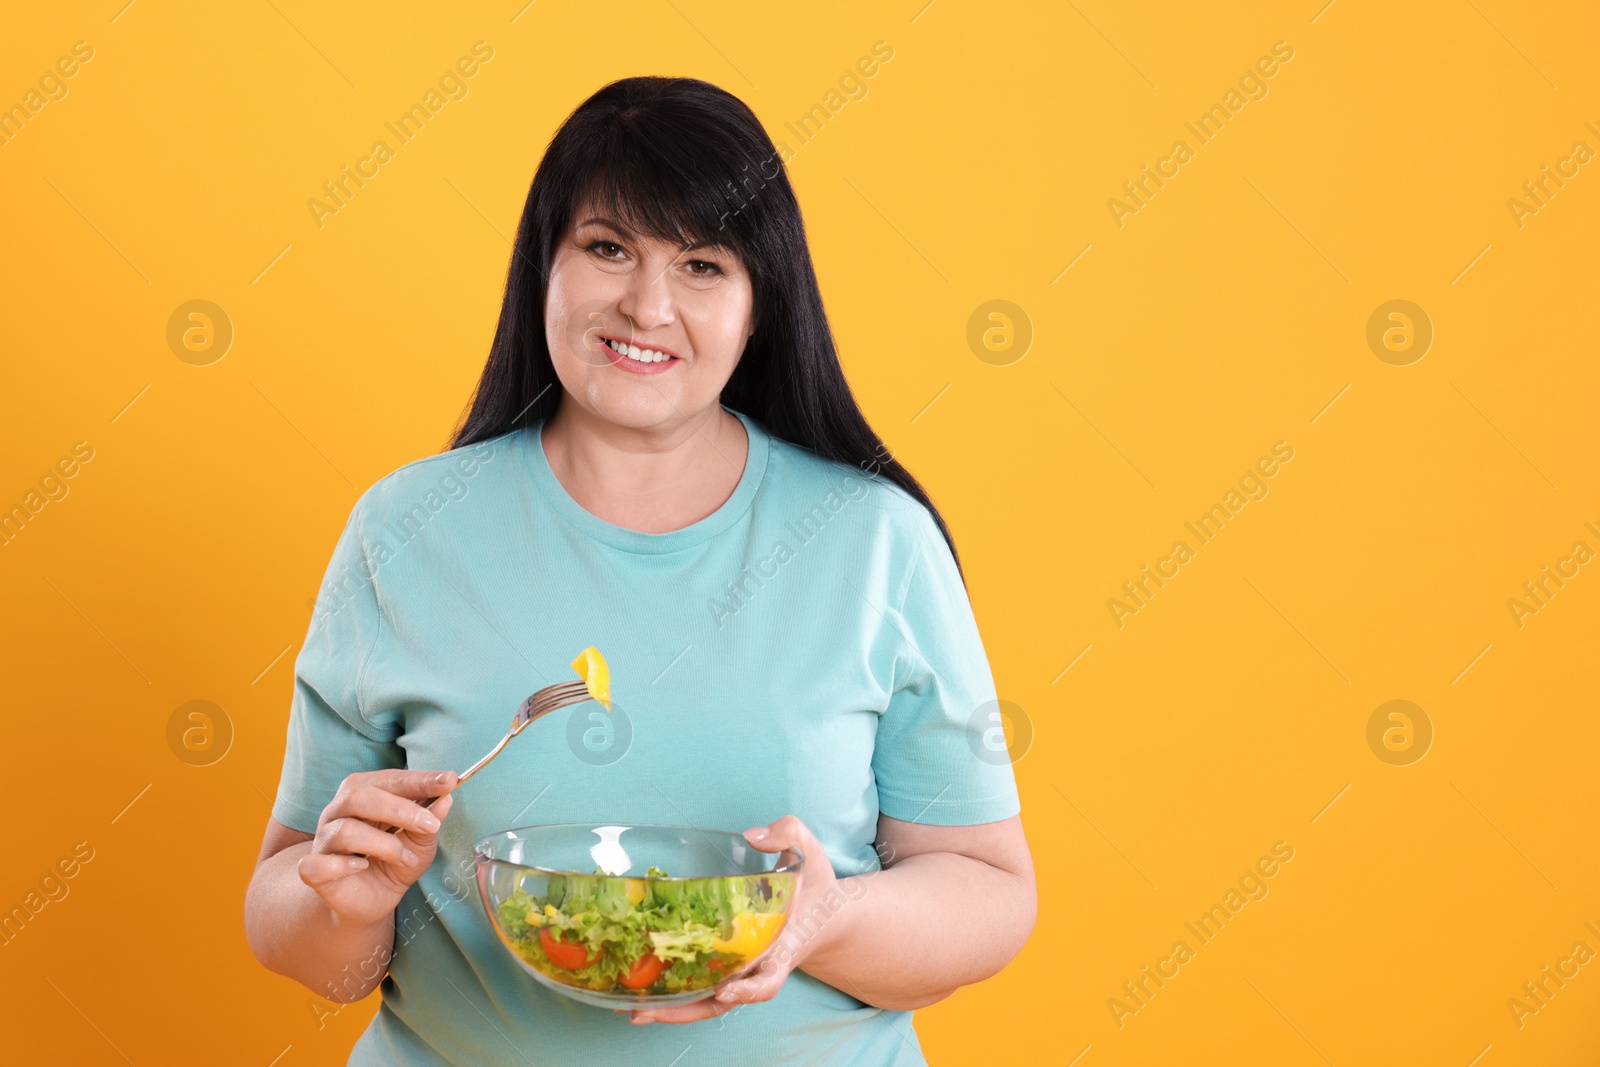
[425, 838]
[415, 784]
[355, 837]
[760, 984]
[319, 870]
[371, 803]
[683, 1013]
[787, 832]
[418, 827]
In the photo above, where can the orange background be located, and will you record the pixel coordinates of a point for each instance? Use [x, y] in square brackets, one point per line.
[1228, 313]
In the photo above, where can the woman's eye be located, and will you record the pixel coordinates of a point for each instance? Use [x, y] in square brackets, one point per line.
[710, 268]
[604, 248]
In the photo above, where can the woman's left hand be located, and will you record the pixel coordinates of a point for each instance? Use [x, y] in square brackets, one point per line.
[816, 883]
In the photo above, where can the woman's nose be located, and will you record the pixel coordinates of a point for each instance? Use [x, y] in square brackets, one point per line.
[647, 300]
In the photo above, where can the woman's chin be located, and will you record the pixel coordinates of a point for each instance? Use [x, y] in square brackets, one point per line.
[636, 406]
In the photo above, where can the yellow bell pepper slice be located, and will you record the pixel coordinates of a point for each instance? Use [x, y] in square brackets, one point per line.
[633, 889]
[591, 667]
[752, 933]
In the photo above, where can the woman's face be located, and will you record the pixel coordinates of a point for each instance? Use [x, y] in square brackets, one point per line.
[610, 287]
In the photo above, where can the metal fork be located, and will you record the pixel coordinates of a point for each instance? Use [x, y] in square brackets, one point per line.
[541, 703]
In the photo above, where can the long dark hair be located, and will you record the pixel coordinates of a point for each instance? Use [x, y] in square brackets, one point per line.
[682, 160]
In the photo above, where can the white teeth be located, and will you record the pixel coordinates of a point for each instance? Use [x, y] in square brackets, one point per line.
[640, 355]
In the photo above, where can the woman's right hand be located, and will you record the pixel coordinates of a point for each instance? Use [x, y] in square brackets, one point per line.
[356, 866]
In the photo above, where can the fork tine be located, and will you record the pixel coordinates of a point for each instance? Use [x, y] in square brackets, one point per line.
[541, 703]
[559, 691]
[563, 691]
[563, 697]
[552, 698]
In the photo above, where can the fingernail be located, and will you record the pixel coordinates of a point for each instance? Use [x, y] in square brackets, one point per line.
[357, 862]
[408, 857]
[427, 823]
[642, 1022]
[758, 834]
[438, 779]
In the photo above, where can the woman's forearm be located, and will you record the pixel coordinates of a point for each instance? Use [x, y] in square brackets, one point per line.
[295, 934]
[909, 936]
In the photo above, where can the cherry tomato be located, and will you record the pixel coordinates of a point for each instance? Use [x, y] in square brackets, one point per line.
[569, 957]
[644, 972]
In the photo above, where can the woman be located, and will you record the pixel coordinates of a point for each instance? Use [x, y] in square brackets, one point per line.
[663, 460]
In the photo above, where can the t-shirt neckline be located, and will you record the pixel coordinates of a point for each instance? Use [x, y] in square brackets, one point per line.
[591, 525]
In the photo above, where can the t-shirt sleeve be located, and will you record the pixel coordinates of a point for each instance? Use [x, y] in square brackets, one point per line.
[330, 736]
[933, 757]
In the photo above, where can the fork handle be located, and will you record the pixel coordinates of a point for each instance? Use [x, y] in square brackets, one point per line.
[462, 777]
[560, 696]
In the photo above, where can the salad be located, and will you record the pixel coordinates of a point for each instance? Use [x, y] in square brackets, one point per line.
[628, 935]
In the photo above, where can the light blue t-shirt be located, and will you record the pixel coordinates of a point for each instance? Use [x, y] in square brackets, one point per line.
[807, 648]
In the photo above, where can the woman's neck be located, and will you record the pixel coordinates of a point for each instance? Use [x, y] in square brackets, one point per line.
[653, 480]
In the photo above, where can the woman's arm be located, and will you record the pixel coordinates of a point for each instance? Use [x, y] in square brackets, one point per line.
[320, 907]
[952, 906]
[293, 932]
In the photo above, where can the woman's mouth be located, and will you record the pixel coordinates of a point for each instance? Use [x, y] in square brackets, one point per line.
[631, 357]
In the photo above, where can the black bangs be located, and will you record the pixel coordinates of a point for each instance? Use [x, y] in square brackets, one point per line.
[644, 192]
[681, 160]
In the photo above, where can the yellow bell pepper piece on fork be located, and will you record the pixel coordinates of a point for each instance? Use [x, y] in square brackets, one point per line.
[591, 667]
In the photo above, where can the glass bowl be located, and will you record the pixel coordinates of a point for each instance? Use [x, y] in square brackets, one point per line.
[634, 916]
